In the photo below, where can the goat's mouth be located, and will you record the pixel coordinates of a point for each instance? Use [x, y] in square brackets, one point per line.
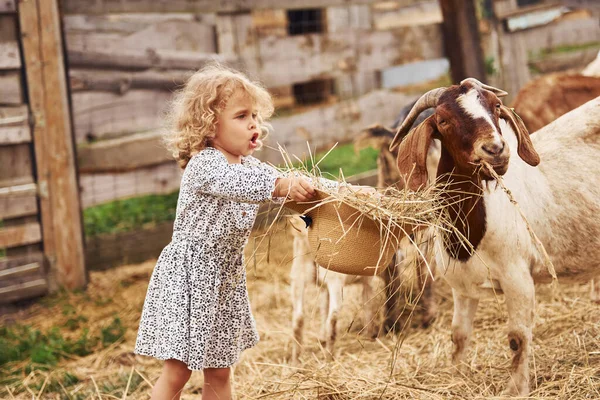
[498, 168]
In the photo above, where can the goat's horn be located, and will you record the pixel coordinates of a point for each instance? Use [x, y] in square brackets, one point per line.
[496, 91]
[428, 100]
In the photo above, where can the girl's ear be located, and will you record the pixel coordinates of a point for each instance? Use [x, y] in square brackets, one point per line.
[525, 148]
[412, 155]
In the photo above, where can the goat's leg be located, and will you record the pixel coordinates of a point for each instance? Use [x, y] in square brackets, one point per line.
[519, 292]
[427, 300]
[595, 290]
[297, 287]
[391, 277]
[370, 328]
[335, 302]
[324, 313]
[462, 325]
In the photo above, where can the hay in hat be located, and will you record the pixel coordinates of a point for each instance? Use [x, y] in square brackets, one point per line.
[354, 232]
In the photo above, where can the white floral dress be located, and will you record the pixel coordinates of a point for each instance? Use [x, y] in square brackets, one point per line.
[197, 308]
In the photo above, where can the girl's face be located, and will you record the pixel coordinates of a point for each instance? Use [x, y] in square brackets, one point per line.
[237, 128]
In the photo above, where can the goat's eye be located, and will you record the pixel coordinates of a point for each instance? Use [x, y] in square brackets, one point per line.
[497, 105]
[443, 122]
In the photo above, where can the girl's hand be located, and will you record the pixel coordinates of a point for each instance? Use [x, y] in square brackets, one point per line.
[294, 188]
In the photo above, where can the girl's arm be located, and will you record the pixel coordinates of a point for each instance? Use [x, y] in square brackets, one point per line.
[254, 183]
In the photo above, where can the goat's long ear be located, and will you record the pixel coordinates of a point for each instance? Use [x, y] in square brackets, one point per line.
[525, 148]
[412, 154]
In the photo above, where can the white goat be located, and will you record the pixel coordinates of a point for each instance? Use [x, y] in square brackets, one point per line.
[560, 199]
[305, 271]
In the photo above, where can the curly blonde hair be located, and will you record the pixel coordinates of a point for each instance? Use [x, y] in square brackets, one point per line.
[194, 111]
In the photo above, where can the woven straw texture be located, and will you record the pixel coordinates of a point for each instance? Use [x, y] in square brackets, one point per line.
[344, 240]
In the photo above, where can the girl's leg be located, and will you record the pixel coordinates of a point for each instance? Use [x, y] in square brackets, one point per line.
[216, 384]
[173, 377]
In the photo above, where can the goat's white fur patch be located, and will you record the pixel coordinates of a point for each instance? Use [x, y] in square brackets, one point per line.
[472, 106]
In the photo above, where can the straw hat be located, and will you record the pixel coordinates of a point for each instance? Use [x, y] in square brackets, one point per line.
[345, 240]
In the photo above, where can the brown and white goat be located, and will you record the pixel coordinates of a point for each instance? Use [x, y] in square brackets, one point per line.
[560, 199]
[304, 272]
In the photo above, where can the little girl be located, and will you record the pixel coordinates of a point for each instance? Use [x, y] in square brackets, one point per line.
[196, 315]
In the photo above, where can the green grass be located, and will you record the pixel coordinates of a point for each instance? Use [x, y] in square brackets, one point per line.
[564, 49]
[45, 349]
[131, 214]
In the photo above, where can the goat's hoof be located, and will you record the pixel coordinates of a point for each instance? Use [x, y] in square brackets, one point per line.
[513, 390]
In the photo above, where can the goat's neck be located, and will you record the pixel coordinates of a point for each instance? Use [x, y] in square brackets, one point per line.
[467, 210]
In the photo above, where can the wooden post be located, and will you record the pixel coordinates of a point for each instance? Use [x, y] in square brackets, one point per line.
[53, 143]
[462, 42]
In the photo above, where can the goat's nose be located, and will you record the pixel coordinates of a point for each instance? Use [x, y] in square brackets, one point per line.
[494, 148]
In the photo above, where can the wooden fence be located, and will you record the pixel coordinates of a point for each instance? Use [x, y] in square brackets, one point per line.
[40, 232]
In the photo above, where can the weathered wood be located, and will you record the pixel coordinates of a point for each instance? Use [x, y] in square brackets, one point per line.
[11, 90]
[348, 18]
[127, 33]
[55, 159]
[103, 115]
[14, 262]
[21, 271]
[270, 22]
[122, 154]
[422, 13]
[143, 59]
[331, 55]
[10, 56]
[20, 235]
[14, 125]
[23, 290]
[563, 61]
[8, 6]
[199, 6]
[107, 251]
[122, 81]
[15, 163]
[325, 125]
[105, 187]
[462, 40]
[14, 207]
[17, 189]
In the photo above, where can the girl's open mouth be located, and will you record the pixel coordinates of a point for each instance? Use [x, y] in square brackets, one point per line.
[254, 138]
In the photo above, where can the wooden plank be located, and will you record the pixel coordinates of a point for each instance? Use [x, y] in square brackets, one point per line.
[20, 235]
[55, 158]
[323, 126]
[123, 154]
[14, 125]
[23, 290]
[423, 13]
[170, 32]
[107, 251]
[133, 59]
[21, 271]
[122, 81]
[462, 40]
[11, 89]
[8, 6]
[129, 23]
[14, 262]
[14, 207]
[16, 163]
[104, 115]
[199, 6]
[10, 56]
[563, 61]
[331, 55]
[105, 187]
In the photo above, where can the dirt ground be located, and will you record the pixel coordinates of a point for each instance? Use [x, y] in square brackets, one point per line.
[412, 364]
